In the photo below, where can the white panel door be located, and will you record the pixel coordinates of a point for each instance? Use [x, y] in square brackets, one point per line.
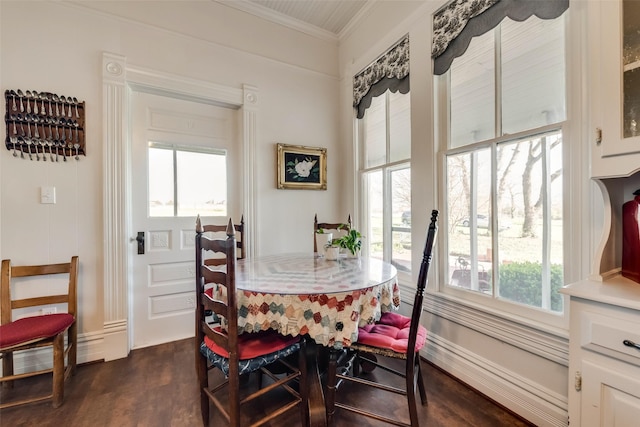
[172, 143]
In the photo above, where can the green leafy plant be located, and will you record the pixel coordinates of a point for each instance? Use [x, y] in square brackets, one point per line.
[320, 231]
[351, 241]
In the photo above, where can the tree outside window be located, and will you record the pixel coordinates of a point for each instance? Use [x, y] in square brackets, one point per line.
[504, 164]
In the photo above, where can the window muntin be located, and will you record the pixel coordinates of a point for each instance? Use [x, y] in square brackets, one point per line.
[385, 141]
[175, 174]
[504, 195]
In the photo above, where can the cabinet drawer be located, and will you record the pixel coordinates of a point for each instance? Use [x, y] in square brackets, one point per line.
[605, 335]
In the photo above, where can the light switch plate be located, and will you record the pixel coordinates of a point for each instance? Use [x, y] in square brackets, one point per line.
[47, 195]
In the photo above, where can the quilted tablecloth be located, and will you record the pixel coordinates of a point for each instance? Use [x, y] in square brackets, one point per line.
[304, 294]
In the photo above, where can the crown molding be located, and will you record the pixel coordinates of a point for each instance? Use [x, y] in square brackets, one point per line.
[278, 18]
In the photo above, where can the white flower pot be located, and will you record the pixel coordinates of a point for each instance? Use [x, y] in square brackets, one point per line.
[321, 242]
[332, 253]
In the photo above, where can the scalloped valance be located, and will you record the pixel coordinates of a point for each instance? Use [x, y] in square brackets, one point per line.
[389, 72]
[459, 21]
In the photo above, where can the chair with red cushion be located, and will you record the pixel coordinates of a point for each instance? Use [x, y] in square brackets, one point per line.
[40, 330]
[394, 336]
[216, 230]
[222, 348]
[219, 231]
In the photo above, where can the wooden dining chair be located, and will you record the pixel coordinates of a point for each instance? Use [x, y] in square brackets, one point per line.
[395, 337]
[234, 355]
[222, 228]
[40, 330]
[337, 226]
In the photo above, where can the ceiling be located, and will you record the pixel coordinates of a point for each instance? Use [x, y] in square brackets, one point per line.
[328, 18]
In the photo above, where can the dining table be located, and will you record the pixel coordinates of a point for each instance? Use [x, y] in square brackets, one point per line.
[324, 301]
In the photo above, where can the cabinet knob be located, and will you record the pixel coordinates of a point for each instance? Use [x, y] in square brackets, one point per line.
[598, 136]
[630, 343]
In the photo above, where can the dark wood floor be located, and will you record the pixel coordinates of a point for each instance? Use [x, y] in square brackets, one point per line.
[156, 386]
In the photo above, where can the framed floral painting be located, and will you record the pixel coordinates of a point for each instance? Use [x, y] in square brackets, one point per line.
[301, 167]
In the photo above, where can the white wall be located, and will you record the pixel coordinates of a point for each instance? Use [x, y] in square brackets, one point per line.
[305, 98]
[58, 46]
[519, 364]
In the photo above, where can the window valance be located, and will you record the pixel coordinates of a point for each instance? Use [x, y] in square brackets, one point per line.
[389, 72]
[460, 20]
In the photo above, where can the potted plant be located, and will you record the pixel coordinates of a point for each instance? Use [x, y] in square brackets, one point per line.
[352, 241]
[332, 249]
[322, 239]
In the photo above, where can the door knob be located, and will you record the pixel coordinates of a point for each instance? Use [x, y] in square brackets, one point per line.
[140, 239]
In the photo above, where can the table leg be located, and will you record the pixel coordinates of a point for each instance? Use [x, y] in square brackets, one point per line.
[317, 409]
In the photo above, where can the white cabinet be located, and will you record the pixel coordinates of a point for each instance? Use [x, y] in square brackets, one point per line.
[604, 389]
[610, 397]
[614, 83]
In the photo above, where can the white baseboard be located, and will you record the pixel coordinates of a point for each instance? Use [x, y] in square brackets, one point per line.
[116, 340]
[528, 399]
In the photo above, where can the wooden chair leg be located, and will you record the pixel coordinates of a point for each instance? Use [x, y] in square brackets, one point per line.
[411, 396]
[421, 388]
[303, 380]
[72, 343]
[58, 370]
[7, 369]
[203, 382]
[331, 385]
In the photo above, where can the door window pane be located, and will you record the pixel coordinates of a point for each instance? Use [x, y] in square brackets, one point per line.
[185, 182]
[160, 182]
[198, 192]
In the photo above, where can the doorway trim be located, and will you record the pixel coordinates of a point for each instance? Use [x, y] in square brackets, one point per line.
[119, 80]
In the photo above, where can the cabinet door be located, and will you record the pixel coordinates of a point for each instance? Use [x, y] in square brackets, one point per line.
[610, 394]
[615, 68]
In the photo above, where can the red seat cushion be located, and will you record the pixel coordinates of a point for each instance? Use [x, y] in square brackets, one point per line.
[252, 345]
[31, 329]
[391, 332]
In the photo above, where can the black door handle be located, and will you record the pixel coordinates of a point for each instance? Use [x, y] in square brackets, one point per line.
[140, 240]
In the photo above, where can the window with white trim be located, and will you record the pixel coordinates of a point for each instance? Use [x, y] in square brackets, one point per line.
[385, 172]
[383, 123]
[504, 162]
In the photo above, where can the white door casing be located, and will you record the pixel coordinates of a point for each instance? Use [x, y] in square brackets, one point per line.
[119, 81]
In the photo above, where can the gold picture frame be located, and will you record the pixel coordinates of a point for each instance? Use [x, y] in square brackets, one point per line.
[301, 167]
